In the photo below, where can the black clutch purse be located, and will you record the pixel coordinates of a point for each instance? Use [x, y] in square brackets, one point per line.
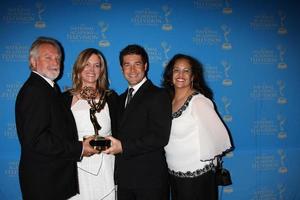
[223, 177]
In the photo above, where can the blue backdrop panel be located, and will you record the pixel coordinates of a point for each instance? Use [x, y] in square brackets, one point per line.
[249, 48]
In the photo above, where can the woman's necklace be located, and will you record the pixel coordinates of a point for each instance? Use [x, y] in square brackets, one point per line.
[179, 101]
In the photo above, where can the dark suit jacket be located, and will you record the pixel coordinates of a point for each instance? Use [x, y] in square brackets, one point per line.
[112, 101]
[49, 144]
[144, 129]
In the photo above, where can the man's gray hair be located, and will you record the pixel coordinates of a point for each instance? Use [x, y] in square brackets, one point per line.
[33, 52]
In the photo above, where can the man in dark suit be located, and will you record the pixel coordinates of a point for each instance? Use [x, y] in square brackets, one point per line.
[143, 131]
[46, 130]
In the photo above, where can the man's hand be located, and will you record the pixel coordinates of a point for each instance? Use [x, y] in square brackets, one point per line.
[88, 150]
[116, 146]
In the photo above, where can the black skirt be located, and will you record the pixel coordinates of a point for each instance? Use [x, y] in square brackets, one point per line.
[202, 187]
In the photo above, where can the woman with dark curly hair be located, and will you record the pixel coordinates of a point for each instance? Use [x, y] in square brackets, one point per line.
[198, 135]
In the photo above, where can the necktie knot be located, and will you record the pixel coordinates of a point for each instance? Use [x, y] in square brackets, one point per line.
[129, 95]
[130, 91]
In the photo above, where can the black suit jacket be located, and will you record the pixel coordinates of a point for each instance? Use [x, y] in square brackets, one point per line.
[144, 129]
[49, 142]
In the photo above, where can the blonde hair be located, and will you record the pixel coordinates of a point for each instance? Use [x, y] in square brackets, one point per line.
[79, 65]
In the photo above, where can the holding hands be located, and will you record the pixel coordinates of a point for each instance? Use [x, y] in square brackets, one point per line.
[88, 150]
[116, 146]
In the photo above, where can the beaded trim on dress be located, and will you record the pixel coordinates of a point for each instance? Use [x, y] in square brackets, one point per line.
[193, 174]
[184, 106]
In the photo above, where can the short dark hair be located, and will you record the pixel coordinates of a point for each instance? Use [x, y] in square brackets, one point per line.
[134, 49]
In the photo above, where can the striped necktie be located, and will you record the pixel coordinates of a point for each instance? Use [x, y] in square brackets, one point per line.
[129, 96]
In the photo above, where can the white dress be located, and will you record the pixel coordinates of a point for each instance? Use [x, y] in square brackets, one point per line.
[197, 137]
[95, 173]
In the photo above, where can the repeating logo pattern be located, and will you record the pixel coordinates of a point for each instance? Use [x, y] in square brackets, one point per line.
[249, 54]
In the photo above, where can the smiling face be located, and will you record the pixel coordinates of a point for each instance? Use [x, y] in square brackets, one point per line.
[134, 69]
[47, 61]
[91, 71]
[182, 74]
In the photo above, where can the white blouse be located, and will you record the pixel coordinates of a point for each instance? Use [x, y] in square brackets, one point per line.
[197, 137]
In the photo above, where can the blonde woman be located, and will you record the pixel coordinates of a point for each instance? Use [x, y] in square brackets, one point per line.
[95, 173]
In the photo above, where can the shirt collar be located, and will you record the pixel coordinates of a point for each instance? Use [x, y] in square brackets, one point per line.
[137, 86]
[46, 79]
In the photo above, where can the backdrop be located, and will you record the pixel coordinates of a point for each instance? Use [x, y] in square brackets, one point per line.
[249, 50]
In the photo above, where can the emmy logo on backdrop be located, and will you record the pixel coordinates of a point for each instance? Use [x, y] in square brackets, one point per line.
[12, 168]
[282, 169]
[281, 98]
[229, 154]
[226, 102]
[105, 5]
[226, 30]
[40, 9]
[228, 189]
[227, 81]
[166, 47]
[282, 29]
[227, 9]
[167, 11]
[281, 189]
[103, 28]
[281, 120]
[281, 64]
